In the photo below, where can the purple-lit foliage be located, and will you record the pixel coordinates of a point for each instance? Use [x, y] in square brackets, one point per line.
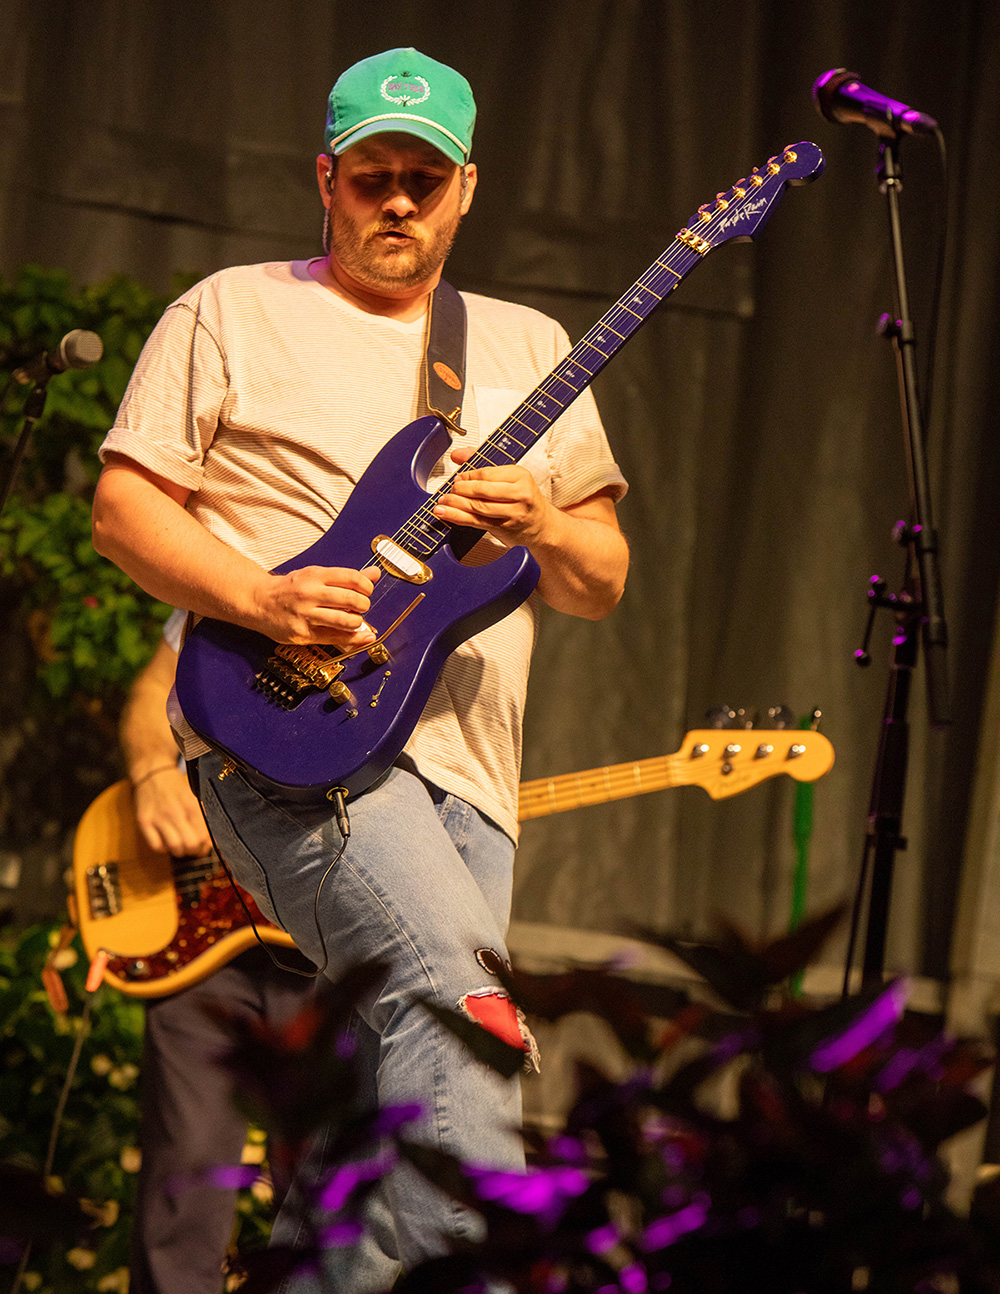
[817, 1173]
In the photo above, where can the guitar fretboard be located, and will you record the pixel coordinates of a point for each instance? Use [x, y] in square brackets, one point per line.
[722, 762]
[545, 795]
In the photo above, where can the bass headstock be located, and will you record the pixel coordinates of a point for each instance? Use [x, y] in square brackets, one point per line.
[733, 754]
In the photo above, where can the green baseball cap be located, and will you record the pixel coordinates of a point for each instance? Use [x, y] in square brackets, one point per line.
[403, 90]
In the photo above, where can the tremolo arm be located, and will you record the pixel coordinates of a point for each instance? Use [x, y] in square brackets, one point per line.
[293, 671]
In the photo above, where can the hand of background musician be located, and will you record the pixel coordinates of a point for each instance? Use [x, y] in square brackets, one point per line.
[504, 501]
[316, 604]
[169, 815]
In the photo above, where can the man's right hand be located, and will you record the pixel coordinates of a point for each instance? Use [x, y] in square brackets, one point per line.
[169, 815]
[317, 604]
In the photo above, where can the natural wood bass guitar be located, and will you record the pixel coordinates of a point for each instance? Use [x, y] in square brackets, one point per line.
[307, 718]
[167, 923]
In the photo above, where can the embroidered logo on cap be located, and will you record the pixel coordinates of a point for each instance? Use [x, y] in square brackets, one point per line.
[407, 90]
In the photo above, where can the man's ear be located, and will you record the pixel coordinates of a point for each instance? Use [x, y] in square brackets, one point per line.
[325, 173]
[471, 177]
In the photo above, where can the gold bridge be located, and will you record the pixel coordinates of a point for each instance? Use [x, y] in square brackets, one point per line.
[312, 664]
[294, 670]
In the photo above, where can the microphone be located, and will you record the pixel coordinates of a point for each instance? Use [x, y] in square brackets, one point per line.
[840, 96]
[78, 349]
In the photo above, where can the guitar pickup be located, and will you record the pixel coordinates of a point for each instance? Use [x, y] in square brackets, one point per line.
[399, 562]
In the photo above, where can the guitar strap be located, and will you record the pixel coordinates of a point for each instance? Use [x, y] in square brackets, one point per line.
[444, 358]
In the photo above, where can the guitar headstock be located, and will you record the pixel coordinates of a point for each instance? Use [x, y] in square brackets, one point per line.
[740, 212]
[726, 761]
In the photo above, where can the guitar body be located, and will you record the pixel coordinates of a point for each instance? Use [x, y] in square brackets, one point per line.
[166, 923]
[318, 742]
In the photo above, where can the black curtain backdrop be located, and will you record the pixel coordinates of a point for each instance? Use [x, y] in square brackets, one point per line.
[756, 415]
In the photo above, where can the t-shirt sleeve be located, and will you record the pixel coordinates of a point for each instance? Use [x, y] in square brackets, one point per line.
[173, 629]
[171, 409]
[581, 463]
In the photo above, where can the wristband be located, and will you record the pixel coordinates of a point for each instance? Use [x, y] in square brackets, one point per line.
[161, 768]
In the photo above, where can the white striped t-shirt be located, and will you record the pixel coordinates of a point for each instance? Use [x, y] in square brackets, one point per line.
[267, 395]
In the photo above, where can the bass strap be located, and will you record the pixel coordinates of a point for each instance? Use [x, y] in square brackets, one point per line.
[444, 359]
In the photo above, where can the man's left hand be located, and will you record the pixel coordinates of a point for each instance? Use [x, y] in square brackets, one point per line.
[503, 501]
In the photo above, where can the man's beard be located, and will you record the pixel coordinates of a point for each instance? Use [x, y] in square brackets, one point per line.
[414, 262]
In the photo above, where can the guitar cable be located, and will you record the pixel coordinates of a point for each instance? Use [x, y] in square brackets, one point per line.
[338, 796]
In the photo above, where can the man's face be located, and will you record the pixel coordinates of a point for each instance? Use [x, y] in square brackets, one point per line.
[396, 205]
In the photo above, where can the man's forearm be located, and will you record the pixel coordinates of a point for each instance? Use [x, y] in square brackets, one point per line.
[140, 523]
[146, 740]
[584, 560]
[581, 551]
[147, 748]
[147, 532]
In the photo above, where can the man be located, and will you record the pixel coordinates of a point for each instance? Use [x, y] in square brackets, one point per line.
[258, 402]
[189, 1121]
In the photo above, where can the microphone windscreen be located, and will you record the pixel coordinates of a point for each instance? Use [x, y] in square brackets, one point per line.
[824, 89]
[80, 348]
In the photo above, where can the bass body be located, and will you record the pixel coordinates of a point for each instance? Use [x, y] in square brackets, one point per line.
[167, 923]
[163, 923]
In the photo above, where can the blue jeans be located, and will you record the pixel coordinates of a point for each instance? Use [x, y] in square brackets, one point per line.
[423, 886]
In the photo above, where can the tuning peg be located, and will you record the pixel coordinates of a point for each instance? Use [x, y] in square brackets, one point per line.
[780, 716]
[814, 717]
[746, 718]
[722, 716]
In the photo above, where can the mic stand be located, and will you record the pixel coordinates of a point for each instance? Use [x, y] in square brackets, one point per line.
[919, 614]
[34, 406]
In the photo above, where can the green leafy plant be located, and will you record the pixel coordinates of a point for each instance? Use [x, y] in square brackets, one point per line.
[96, 1156]
[75, 631]
[92, 627]
[96, 1150]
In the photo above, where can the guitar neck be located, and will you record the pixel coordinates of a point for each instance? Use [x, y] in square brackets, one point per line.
[533, 417]
[545, 795]
[736, 214]
[723, 762]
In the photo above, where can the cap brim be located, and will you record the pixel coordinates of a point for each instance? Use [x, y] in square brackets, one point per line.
[426, 131]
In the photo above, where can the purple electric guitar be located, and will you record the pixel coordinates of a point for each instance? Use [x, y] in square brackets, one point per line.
[309, 718]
